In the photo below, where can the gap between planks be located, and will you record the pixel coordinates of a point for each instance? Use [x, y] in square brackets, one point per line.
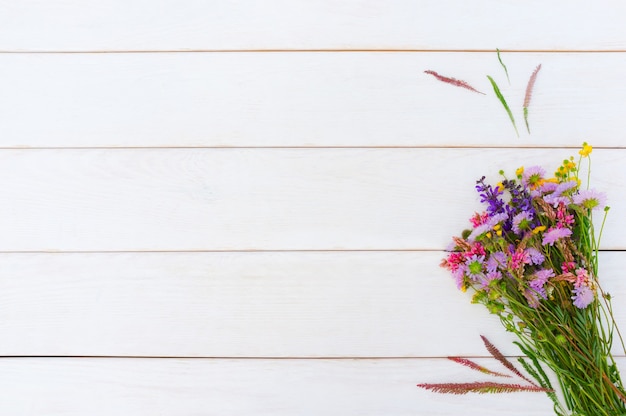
[366, 50]
[309, 147]
[169, 357]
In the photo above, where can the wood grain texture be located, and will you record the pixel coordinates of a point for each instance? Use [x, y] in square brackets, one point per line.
[322, 304]
[118, 25]
[306, 99]
[261, 199]
[179, 387]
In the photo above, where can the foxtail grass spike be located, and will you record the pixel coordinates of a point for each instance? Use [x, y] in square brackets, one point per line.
[471, 364]
[506, 71]
[478, 387]
[453, 81]
[500, 357]
[529, 93]
[496, 90]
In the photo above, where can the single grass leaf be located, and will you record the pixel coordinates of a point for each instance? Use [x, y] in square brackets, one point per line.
[500, 357]
[478, 387]
[471, 364]
[453, 81]
[496, 89]
[529, 93]
[506, 71]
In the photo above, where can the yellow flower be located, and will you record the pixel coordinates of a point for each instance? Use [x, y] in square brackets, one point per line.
[519, 171]
[539, 229]
[584, 152]
[500, 187]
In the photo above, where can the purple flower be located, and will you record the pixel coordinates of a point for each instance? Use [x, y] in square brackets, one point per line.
[555, 234]
[459, 276]
[557, 196]
[532, 176]
[521, 221]
[497, 260]
[537, 286]
[488, 278]
[491, 196]
[541, 277]
[545, 188]
[535, 255]
[583, 296]
[475, 266]
[591, 199]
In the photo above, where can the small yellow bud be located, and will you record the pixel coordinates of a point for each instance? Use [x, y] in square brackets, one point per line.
[539, 229]
[519, 171]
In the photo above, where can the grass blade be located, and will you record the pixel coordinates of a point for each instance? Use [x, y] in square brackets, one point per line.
[496, 89]
[506, 71]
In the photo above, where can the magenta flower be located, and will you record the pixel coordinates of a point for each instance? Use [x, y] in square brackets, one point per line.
[554, 234]
[519, 258]
[582, 278]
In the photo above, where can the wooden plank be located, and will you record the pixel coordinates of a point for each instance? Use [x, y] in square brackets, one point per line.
[118, 25]
[260, 199]
[78, 386]
[305, 99]
[317, 304]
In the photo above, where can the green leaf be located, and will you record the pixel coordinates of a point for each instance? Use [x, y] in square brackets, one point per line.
[503, 66]
[496, 89]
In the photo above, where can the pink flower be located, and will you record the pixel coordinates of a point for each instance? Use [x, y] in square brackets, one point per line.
[555, 234]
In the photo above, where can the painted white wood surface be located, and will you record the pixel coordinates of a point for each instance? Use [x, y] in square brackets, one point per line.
[261, 199]
[35, 25]
[173, 387]
[316, 304]
[209, 252]
[305, 99]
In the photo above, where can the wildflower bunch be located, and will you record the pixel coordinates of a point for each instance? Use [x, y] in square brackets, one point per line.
[531, 257]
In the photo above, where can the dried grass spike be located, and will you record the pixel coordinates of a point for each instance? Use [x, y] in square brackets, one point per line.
[529, 93]
[453, 81]
[471, 364]
[500, 357]
[479, 387]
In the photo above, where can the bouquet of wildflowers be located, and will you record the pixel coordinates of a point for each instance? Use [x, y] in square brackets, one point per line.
[532, 259]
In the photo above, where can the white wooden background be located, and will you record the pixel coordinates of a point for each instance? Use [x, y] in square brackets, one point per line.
[239, 207]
